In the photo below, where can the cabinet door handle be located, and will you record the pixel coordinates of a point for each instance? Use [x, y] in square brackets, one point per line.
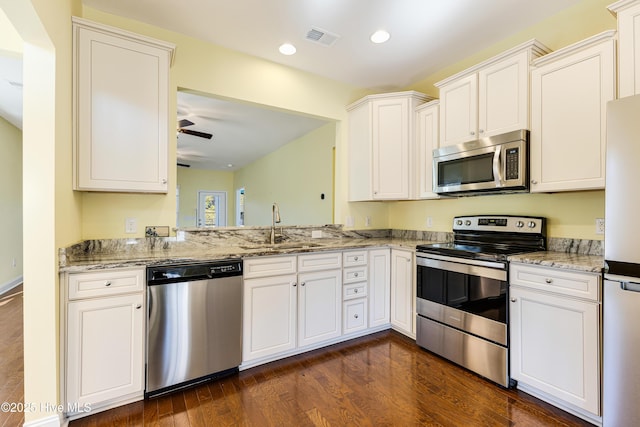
[481, 130]
[472, 133]
[302, 284]
[548, 280]
[294, 284]
[514, 299]
[138, 307]
[107, 284]
[355, 316]
[534, 182]
[164, 181]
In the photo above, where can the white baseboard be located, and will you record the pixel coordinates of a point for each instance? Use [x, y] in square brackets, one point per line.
[6, 287]
[50, 421]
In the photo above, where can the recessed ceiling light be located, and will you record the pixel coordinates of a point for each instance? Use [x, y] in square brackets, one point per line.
[287, 49]
[229, 165]
[380, 36]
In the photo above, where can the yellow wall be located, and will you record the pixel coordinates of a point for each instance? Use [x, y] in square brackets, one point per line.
[569, 214]
[207, 68]
[193, 180]
[294, 176]
[10, 203]
[51, 210]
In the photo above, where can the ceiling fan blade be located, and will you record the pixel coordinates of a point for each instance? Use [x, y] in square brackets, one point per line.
[196, 133]
[184, 123]
[184, 165]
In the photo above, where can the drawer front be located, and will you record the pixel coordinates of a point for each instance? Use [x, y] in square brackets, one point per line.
[354, 290]
[354, 274]
[556, 280]
[354, 258]
[320, 261]
[354, 315]
[269, 266]
[105, 283]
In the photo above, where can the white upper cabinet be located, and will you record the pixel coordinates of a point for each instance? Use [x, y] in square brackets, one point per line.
[427, 125]
[570, 89]
[120, 105]
[488, 99]
[628, 13]
[382, 146]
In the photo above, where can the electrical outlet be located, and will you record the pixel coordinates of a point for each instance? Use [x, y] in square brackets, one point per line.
[367, 221]
[349, 221]
[131, 225]
[429, 222]
[599, 225]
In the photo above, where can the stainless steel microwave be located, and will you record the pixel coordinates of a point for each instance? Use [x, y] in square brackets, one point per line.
[488, 165]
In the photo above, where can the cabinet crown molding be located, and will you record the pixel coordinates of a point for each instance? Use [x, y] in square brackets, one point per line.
[621, 5]
[410, 93]
[118, 32]
[535, 47]
[604, 36]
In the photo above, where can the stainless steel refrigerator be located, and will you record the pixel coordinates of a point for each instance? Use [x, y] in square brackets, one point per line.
[621, 299]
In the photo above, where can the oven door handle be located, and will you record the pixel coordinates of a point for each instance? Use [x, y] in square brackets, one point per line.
[465, 268]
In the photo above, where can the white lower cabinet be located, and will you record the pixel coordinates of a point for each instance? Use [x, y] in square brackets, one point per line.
[555, 337]
[285, 312]
[319, 306]
[379, 287]
[269, 316]
[103, 350]
[402, 292]
[354, 315]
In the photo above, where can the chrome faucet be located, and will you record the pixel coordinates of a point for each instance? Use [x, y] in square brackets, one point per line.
[275, 219]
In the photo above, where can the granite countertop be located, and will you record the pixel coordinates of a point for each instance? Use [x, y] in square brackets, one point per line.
[197, 253]
[564, 260]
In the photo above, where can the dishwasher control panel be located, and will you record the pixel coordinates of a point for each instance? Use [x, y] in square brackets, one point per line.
[193, 271]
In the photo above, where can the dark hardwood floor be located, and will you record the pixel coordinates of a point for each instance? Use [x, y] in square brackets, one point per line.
[383, 379]
[11, 356]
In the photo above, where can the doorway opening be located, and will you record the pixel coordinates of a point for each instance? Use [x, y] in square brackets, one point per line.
[212, 208]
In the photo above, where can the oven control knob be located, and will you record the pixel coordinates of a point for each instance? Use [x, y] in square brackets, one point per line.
[519, 224]
[467, 223]
[532, 224]
[459, 222]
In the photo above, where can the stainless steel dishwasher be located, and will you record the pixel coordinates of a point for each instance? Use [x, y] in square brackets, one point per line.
[194, 328]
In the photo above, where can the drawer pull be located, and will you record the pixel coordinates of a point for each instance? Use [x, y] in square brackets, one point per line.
[355, 316]
[513, 299]
[355, 291]
[548, 280]
[355, 258]
[355, 274]
[107, 284]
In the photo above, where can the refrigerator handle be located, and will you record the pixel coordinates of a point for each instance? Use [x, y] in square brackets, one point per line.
[630, 286]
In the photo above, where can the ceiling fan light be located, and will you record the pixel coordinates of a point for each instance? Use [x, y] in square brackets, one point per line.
[380, 36]
[287, 49]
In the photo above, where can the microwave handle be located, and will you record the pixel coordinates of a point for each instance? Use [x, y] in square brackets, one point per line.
[496, 166]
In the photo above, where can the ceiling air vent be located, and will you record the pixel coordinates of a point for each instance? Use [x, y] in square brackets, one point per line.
[322, 37]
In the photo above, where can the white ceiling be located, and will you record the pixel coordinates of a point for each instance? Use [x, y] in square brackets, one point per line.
[242, 133]
[426, 36]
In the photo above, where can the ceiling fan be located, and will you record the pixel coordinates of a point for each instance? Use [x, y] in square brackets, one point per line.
[184, 123]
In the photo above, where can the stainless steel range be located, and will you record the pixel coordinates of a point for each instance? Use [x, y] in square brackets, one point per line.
[462, 290]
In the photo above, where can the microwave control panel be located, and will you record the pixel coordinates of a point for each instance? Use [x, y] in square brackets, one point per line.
[512, 163]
